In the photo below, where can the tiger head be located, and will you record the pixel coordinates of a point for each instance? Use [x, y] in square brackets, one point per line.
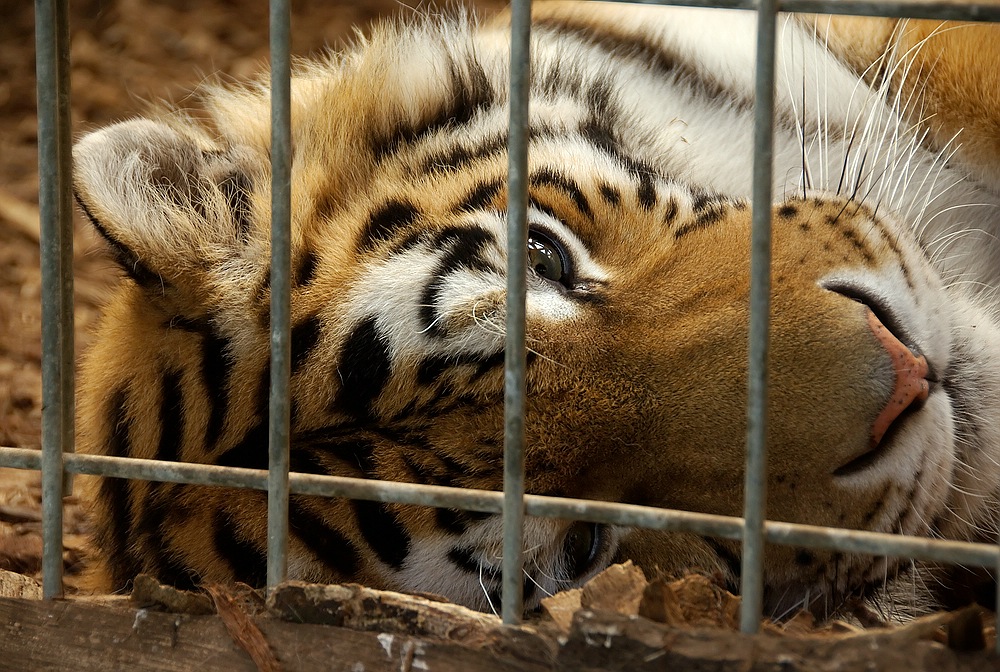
[882, 370]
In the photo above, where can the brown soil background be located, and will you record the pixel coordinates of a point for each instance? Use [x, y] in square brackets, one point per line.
[126, 56]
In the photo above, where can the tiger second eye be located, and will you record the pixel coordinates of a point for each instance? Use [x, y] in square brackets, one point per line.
[884, 366]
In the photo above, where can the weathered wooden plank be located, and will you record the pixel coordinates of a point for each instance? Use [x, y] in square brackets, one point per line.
[37, 635]
[353, 629]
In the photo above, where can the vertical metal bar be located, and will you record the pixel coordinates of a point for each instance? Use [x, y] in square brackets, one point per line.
[278, 435]
[54, 171]
[514, 358]
[755, 484]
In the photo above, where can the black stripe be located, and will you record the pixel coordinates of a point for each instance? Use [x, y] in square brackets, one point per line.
[128, 260]
[361, 453]
[330, 546]
[645, 193]
[729, 559]
[305, 335]
[171, 567]
[464, 559]
[465, 252]
[161, 503]
[600, 133]
[610, 194]
[171, 417]
[216, 362]
[173, 572]
[491, 363]
[363, 370]
[249, 453]
[480, 196]
[383, 532]
[667, 64]
[343, 443]
[386, 222]
[432, 368]
[552, 178]
[422, 472]
[264, 390]
[236, 188]
[788, 211]
[305, 461]
[701, 223]
[671, 212]
[528, 588]
[470, 91]
[247, 562]
[451, 521]
[123, 563]
[305, 273]
[460, 155]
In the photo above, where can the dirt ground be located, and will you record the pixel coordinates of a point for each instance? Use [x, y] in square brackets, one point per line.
[126, 55]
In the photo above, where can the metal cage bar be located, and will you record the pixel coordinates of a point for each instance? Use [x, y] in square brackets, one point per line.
[755, 479]
[281, 208]
[611, 513]
[897, 9]
[514, 342]
[56, 234]
[57, 462]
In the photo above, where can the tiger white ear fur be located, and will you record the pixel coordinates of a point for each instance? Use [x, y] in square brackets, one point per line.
[171, 206]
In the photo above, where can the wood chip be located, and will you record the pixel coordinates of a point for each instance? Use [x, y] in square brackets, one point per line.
[965, 630]
[659, 603]
[705, 603]
[147, 592]
[19, 586]
[561, 607]
[618, 589]
[243, 629]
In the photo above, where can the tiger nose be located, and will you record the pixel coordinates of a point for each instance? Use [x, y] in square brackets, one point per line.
[911, 378]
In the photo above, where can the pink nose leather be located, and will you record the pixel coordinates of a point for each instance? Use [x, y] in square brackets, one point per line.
[911, 378]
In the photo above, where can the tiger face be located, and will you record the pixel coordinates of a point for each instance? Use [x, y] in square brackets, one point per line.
[883, 362]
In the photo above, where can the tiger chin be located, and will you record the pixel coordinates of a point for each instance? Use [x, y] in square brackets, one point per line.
[885, 341]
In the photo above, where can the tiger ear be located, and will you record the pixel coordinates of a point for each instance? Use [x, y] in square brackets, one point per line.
[171, 207]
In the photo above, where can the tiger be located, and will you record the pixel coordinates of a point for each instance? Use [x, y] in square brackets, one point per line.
[884, 359]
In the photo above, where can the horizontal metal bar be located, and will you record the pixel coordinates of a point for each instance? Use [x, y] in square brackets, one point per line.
[610, 513]
[913, 9]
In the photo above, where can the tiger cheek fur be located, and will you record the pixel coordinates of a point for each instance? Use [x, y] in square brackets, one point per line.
[639, 235]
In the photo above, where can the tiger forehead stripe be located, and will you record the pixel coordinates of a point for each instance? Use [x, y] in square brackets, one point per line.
[385, 222]
[668, 64]
[469, 92]
[552, 178]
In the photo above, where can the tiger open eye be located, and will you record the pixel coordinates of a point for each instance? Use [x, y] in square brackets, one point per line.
[547, 258]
